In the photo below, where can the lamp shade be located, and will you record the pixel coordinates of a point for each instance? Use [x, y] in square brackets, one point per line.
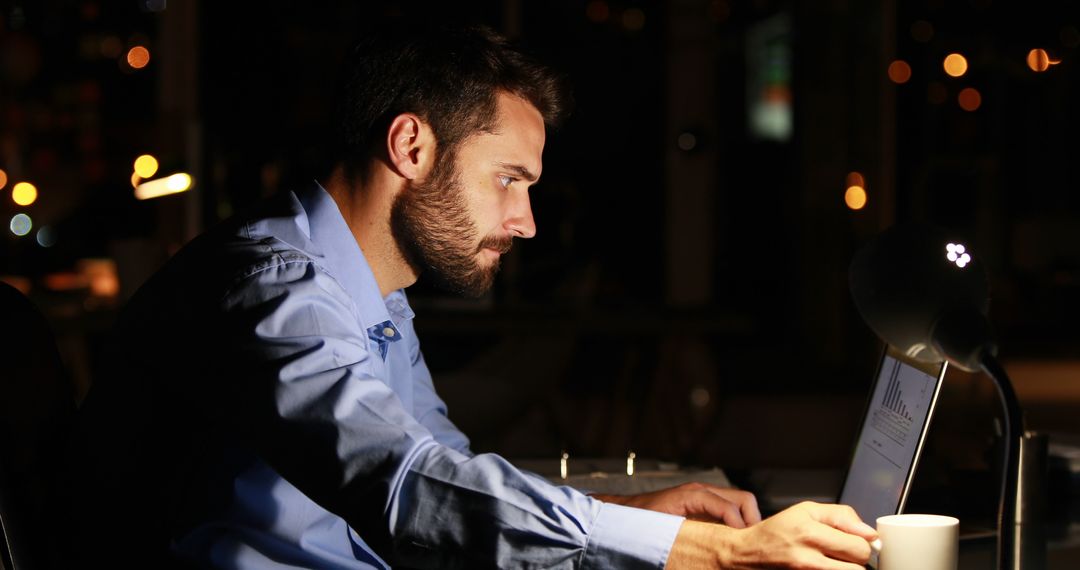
[925, 294]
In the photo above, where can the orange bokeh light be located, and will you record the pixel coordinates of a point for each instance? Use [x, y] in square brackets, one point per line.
[855, 178]
[969, 99]
[955, 65]
[138, 57]
[1039, 60]
[3, 178]
[855, 197]
[899, 71]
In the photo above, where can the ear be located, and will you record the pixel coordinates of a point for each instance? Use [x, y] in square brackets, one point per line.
[410, 145]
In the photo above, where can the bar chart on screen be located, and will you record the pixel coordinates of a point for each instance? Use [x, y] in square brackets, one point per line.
[903, 402]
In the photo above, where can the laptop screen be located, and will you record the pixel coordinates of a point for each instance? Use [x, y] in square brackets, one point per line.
[891, 437]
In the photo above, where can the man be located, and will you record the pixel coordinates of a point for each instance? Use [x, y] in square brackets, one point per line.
[270, 406]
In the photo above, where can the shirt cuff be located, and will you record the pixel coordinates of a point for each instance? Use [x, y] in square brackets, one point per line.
[625, 537]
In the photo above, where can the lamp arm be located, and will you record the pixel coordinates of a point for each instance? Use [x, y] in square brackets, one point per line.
[1013, 432]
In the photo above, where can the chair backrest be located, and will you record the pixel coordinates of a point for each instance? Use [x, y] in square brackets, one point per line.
[36, 407]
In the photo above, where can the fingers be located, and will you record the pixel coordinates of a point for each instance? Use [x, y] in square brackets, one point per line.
[843, 535]
[733, 517]
[747, 505]
[841, 517]
[716, 508]
[841, 545]
[745, 500]
[818, 561]
[700, 501]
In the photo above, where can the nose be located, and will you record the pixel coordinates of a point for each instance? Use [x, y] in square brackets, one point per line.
[519, 221]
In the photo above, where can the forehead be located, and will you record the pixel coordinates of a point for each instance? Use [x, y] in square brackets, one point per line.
[517, 137]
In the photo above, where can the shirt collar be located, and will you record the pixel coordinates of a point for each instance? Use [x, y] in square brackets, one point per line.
[346, 262]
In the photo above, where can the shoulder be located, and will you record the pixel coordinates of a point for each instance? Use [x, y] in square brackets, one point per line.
[265, 246]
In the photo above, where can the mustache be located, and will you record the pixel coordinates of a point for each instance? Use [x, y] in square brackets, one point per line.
[500, 244]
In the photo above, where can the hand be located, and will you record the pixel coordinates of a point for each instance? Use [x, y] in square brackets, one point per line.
[697, 501]
[808, 535]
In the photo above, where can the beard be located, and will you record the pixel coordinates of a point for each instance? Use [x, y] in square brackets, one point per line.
[435, 235]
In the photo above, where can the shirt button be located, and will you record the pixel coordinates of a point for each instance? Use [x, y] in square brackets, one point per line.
[389, 332]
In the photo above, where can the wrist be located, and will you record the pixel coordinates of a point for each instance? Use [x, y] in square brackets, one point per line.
[703, 545]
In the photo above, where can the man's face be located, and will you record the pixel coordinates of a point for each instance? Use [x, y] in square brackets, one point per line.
[456, 223]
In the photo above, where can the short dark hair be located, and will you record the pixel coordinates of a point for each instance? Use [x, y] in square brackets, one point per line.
[447, 75]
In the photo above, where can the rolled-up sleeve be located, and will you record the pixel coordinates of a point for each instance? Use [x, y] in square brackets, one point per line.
[308, 403]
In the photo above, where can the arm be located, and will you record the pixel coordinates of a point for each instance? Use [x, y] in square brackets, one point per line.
[808, 535]
[430, 408]
[303, 396]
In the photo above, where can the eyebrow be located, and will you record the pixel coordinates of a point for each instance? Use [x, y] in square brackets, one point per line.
[519, 170]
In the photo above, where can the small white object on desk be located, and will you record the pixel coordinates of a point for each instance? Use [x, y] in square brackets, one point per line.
[609, 475]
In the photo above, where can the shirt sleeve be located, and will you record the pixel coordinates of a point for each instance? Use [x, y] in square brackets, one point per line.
[306, 401]
[429, 407]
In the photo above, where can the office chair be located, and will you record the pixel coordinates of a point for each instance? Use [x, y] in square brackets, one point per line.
[36, 407]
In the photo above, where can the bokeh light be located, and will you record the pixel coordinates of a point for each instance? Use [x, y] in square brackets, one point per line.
[855, 197]
[955, 65]
[1039, 60]
[178, 182]
[24, 193]
[138, 57]
[899, 71]
[969, 99]
[687, 141]
[957, 253]
[855, 178]
[46, 236]
[146, 166]
[3, 178]
[597, 11]
[101, 275]
[21, 224]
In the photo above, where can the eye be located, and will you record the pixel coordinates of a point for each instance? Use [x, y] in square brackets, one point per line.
[506, 181]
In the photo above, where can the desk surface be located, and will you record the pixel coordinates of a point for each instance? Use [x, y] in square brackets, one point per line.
[1059, 550]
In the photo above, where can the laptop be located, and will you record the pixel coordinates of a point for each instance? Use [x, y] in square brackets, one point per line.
[890, 440]
[886, 452]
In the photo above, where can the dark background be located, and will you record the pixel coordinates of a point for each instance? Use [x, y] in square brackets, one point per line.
[686, 296]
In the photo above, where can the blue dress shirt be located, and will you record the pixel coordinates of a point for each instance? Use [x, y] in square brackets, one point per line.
[338, 451]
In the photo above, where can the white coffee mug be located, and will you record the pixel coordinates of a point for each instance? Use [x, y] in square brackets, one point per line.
[917, 542]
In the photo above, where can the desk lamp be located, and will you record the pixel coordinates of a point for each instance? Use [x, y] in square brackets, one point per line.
[928, 296]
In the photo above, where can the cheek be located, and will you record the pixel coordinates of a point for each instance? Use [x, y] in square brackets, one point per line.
[486, 203]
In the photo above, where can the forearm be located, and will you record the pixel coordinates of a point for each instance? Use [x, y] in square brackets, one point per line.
[480, 511]
[807, 535]
[701, 545]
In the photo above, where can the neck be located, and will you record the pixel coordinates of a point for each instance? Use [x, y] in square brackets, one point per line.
[365, 204]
